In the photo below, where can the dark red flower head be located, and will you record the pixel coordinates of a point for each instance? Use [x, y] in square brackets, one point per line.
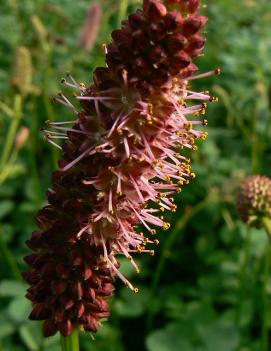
[122, 162]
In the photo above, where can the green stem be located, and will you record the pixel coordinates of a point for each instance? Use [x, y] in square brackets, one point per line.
[122, 11]
[265, 311]
[70, 343]
[266, 222]
[12, 131]
[9, 259]
[243, 276]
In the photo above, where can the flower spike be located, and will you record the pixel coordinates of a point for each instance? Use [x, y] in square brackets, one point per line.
[121, 163]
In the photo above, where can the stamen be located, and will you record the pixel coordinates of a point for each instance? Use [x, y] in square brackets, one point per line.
[48, 138]
[205, 75]
[71, 164]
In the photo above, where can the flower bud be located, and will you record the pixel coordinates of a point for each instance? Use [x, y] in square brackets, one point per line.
[154, 10]
[254, 200]
[193, 24]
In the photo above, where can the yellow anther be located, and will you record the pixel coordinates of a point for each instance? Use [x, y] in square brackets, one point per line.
[74, 94]
[100, 195]
[161, 165]
[82, 84]
[214, 99]
[193, 175]
[205, 122]
[156, 241]
[136, 290]
[153, 231]
[162, 209]
[137, 270]
[166, 226]
[218, 71]
[204, 136]
[152, 252]
[194, 148]
[188, 126]
[120, 132]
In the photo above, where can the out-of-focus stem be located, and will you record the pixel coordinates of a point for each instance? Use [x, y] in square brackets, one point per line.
[12, 131]
[267, 226]
[9, 259]
[122, 11]
[70, 343]
[243, 272]
[265, 312]
[266, 222]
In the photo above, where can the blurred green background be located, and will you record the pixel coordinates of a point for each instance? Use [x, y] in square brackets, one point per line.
[208, 287]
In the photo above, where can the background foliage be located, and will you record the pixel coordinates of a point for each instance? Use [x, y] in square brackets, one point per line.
[208, 287]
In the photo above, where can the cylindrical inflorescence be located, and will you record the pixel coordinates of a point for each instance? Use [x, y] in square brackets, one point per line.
[121, 164]
[254, 200]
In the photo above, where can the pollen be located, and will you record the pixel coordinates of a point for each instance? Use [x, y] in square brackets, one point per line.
[166, 226]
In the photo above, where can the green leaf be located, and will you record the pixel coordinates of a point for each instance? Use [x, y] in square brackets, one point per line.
[12, 288]
[219, 335]
[7, 328]
[171, 338]
[28, 339]
[5, 208]
[19, 309]
[131, 304]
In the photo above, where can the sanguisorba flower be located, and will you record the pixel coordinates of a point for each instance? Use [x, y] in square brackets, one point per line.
[121, 164]
[254, 200]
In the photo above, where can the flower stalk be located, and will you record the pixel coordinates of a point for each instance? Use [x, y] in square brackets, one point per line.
[266, 222]
[70, 343]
